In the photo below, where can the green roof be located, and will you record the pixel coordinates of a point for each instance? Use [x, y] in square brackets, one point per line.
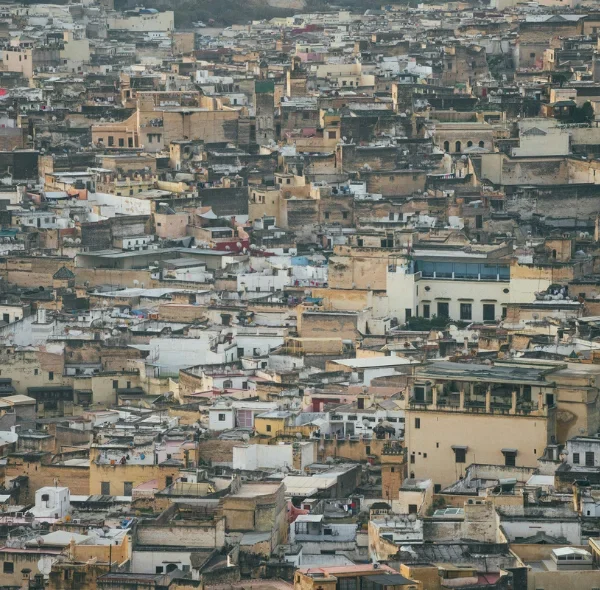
[264, 86]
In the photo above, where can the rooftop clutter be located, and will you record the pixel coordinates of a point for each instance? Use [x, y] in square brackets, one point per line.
[300, 298]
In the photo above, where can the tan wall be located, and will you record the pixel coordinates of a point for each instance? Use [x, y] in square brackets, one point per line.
[171, 226]
[344, 299]
[76, 478]
[117, 475]
[484, 435]
[25, 271]
[177, 312]
[395, 183]
[565, 580]
[366, 268]
[330, 326]
[32, 369]
[426, 574]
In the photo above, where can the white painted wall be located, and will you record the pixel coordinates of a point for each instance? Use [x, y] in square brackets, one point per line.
[146, 562]
[214, 423]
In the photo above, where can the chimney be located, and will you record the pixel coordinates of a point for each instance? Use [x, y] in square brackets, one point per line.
[25, 581]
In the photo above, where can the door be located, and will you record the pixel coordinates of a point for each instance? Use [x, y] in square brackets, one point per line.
[105, 488]
[127, 488]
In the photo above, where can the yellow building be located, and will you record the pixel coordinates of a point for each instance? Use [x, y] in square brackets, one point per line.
[116, 478]
[460, 413]
[367, 576]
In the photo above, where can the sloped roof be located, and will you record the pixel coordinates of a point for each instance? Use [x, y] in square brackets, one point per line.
[63, 273]
[534, 131]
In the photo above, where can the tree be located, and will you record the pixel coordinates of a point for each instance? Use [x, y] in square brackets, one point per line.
[585, 114]
[560, 78]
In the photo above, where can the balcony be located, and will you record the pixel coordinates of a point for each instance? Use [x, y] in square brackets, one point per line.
[479, 398]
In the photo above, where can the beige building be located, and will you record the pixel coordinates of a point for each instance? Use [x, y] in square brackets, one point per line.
[164, 117]
[458, 414]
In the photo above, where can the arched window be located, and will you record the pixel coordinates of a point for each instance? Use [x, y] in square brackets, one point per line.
[481, 144]
[458, 146]
[446, 146]
[228, 384]
[469, 144]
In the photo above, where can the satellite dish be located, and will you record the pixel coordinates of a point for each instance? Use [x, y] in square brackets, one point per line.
[245, 437]
[45, 564]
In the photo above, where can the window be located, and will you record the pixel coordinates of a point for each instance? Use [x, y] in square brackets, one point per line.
[589, 459]
[268, 428]
[437, 488]
[127, 488]
[51, 376]
[368, 450]
[331, 134]
[111, 140]
[9, 567]
[408, 313]
[347, 584]
[115, 383]
[426, 311]
[481, 144]
[36, 371]
[460, 455]
[412, 509]
[327, 215]
[443, 309]
[121, 142]
[105, 488]
[446, 146]
[221, 417]
[345, 214]
[510, 458]
[489, 312]
[159, 569]
[532, 55]
[168, 480]
[466, 311]
[457, 147]
[417, 422]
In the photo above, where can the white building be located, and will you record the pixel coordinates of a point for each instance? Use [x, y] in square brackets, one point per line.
[51, 502]
[251, 457]
[227, 415]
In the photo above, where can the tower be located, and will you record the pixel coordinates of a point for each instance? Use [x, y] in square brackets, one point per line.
[264, 103]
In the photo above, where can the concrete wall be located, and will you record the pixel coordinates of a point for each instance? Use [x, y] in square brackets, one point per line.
[431, 443]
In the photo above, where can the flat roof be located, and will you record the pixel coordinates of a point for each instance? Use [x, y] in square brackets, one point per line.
[309, 518]
[480, 372]
[374, 362]
[133, 253]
